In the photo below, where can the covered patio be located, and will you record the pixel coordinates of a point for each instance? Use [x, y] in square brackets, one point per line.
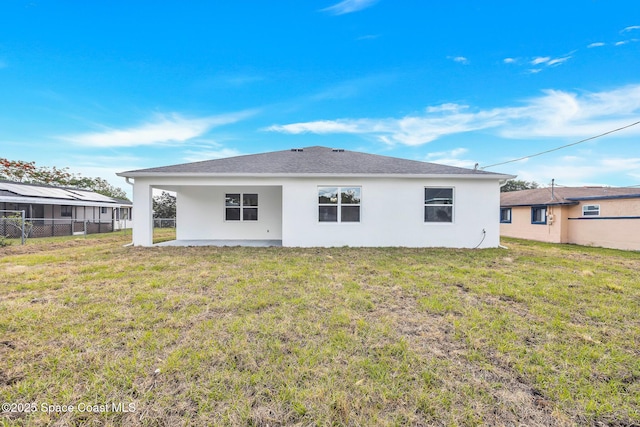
[236, 213]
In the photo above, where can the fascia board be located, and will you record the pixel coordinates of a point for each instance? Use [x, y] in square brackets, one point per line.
[312, 175]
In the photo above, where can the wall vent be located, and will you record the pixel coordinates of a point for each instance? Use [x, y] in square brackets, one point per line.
[297, 150]
[338, 150]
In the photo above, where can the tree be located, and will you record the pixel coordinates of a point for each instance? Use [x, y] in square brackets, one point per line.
[29, 173]
[16, 170]
[100, 186]
[518, 184]
[164, 206]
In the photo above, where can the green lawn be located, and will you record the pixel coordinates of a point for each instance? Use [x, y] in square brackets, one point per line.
[538, 334]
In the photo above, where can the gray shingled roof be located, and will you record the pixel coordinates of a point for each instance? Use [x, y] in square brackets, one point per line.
[309, 160]
[565, 195]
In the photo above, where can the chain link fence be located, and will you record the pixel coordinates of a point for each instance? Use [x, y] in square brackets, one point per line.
[164, 223]
[15, 226]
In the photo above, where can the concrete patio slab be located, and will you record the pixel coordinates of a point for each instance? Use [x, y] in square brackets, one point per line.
[205, 242]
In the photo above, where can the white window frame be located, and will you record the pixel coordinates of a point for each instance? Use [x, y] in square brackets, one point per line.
[452, 205]
[242, 207]
[594, 212]
[338, 205]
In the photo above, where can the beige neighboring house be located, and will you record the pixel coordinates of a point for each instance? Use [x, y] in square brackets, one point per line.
[594, 216]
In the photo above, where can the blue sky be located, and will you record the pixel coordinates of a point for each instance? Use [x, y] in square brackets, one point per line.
[103, 87]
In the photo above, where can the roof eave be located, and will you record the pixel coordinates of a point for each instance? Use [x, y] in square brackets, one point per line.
[309, 175]
[67, 202]
[618, 196]
[520, 205]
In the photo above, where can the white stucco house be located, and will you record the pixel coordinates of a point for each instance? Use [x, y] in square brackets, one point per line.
[318, 196]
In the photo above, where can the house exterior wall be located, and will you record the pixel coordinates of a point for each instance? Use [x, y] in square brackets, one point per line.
[392, 214]
[521, 226]
[392, 211]
[617, 226]
[201, 214]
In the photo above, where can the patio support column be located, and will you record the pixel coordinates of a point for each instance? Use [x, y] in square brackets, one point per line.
[143, 218]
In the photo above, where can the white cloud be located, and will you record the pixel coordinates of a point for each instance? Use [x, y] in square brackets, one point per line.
[622, 164]
[621, 43]
[540, 60]
[451, 153]
[534, 70]
[579, 171]
[596, 44]
[566, 114]
[409, 130]
[449, 108]
[509, 60]
[630, 28]
[349, 6]
[163, 129]
[553, 114]
[451, 158]
[558, 61]
[368, 37]
[459, 59]
[549, 61]
[321, 127]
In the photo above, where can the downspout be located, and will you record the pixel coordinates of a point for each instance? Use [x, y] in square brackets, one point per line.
[128, 181]
[502, 183]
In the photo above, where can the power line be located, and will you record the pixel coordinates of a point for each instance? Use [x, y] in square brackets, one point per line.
[564, 146]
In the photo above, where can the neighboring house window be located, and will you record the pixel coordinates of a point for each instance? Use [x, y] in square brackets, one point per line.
[103, 210]
[65, 210]
[505, 215]
[438, 204]
[339, 204]
[241, 207]
[539, 215]
[591, 210]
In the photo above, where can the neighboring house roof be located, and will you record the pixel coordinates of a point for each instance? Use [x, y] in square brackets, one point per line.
[311, 161]
[17, 192]
[565, 195]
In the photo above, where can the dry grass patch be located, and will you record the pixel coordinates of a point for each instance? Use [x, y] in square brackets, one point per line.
[341, 336]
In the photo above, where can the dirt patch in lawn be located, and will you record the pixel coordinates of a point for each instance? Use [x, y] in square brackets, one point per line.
[434, 337]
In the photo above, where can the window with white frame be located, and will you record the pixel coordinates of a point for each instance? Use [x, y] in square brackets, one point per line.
[591, 210]
[438, 204]
[505, 215]
[339, 204]
[241, 207]
[539, 215]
